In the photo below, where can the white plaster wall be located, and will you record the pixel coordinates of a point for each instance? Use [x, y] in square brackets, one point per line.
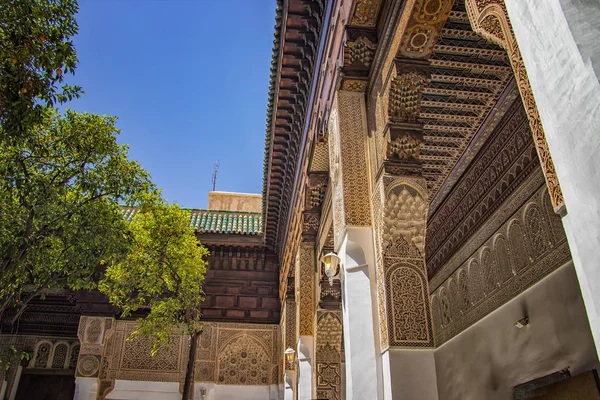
[560, 65]
[289, 385]
[85, 388]
[361, 352]
[145, 390]
[492, 356]
[142, 390]
[411, 373]
[235, 392]
[305, 353]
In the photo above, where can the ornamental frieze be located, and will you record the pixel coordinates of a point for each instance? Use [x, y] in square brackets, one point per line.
[490, 19]
[423, 27]
[329, 355]
[364, 13]
[497, 265]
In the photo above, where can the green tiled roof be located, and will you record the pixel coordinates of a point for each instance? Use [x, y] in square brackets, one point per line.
[218, 221]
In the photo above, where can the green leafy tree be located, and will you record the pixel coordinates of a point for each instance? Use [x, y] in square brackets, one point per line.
[59, 213]
[36, 53]
[163, 274]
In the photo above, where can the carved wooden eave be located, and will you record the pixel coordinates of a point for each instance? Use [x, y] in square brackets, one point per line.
[469, 77]
[298, 27]
[360, 44]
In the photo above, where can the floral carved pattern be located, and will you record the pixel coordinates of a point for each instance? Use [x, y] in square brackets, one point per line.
[405, 217]
[423, 28]
[402, 254]
[508, 262]
[353, 152]
[408, 307]
[242, 361]
[306, 287]
[238, 354]
[328, 355]
[490, 19]
[365, 13]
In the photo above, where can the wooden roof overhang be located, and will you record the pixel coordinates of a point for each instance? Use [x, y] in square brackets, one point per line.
[296, 44]
[470, 78]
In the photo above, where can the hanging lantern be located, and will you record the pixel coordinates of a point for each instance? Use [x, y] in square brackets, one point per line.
[331, 264]
[289, 355]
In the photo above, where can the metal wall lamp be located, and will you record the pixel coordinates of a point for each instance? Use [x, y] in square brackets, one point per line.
[332, 265]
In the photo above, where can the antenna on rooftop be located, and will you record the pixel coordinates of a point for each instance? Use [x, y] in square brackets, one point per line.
[215, 175]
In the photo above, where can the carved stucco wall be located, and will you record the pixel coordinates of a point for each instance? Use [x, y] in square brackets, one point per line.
[403, 274]
[490, 19]
[328, 355]
[228, 354]
[238, 354]
[521, 243]
[305, 287]
[51, 353]
[348, 162]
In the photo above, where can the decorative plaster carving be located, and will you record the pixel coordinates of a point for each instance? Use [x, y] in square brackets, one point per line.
[50, 353]
[320, 158]
[502, 164]
[353, 156]
[508, 267]
[291, 336]
[88, 365]
[305, 275]
[379, 265]
[238, 354]
[490, 19]
[404, 148]
[242, 361]
[407, 303]
[405, 316]
[328, 355]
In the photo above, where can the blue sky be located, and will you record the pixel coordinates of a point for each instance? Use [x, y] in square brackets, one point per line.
[188, 80]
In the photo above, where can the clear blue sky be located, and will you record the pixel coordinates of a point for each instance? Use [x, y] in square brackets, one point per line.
[188, 80]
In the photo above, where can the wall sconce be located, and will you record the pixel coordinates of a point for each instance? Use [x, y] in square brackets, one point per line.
[203, 393]
[332, 264]
[289, 355]
[522, 322]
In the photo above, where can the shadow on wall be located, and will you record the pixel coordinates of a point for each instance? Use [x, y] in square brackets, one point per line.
[487, 360]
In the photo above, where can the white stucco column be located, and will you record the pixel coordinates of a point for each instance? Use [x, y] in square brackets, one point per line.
[85, 388]
[362, 370]
[558, 40]
[289, 383]
[306, 356]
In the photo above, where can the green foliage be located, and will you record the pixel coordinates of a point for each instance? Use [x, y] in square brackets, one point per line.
[36, 52]
[164, 272]
[59, 213]
[13, 356]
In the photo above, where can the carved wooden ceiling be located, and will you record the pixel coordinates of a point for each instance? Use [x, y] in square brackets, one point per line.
[469, 75]
[298, 27]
